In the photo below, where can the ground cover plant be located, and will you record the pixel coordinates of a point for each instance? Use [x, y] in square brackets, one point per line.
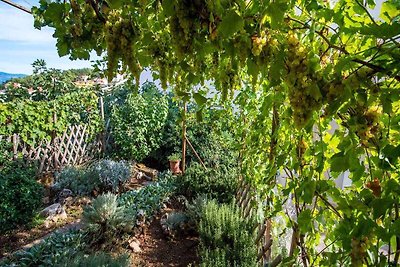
[54, 250]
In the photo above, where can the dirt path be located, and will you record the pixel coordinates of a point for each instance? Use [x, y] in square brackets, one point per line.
[158, 251]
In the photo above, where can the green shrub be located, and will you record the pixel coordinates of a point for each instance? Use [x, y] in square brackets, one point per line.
[102, 176]
[225, 238]
[147, 200]
[219, 183]
[99, 259]
[137, 125]
[20, 195]
[106, 219]
[109, 175]
[52, 251]
[74, 179]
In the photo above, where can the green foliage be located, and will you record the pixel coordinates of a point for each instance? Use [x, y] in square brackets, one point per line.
[109, 175]
[43, 84]
[74, 178]
[174, 157]
[20, 194]
[105, 218]
[146, 200]
[225, 238]
[34, 120]
[220, 183]
[55, 250]
[138, 123]
[100, 259]
[101, 176]
[5, 153]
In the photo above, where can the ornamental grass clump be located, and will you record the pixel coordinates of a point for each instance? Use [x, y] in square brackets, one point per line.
[226, 239]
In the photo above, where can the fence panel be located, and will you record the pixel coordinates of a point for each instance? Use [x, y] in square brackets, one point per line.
[73, 147]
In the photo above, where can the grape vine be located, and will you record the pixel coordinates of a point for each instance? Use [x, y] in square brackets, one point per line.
[316, 87]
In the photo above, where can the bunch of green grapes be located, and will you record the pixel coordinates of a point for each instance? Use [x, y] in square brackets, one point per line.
[227, 80]
[334, 90]
[120, 37]
[83, 27]
[76, 19]
[359, 248]
[263, 46]
[158, 49]
[365, 122]
[302, 83]
[242, 44]
[189, 22]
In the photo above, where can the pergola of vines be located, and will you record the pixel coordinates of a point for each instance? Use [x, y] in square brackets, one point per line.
[318, 84]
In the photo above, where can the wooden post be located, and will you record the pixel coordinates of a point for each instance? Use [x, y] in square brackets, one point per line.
[195, 153]
[101, 108]
[184, 137]
[54, 150]
[15, 146]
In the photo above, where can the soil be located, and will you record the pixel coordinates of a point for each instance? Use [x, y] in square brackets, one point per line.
[24, 237]
[158, 250]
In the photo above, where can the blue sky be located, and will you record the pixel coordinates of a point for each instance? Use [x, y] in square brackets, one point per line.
[21, 43]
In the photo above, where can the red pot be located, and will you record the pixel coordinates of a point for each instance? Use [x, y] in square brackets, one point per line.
[174, 166]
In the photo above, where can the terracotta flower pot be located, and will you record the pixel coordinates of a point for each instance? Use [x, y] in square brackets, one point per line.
[174, 166]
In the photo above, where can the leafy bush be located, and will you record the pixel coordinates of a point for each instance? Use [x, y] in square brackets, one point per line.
[53, 251]
[146, 200]
[137, 124]
[102, 176]
[219, 183]
[20, 195]
[74, 179]
[99, 259]
[109, 175]
[106, 218]
[225, 238]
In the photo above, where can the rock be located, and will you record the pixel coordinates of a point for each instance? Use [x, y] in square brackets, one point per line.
[52, 210]
[135, 246]
[65, 193]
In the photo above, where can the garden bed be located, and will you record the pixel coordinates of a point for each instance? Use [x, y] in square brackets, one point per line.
[158, 250]
[22, 238]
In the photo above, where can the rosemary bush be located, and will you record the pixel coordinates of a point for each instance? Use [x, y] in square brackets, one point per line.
[225, 238]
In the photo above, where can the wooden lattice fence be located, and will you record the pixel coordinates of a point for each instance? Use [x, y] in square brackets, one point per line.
[74, 147]
[245, 199]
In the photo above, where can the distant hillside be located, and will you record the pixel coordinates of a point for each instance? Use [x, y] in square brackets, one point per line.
[7, 76]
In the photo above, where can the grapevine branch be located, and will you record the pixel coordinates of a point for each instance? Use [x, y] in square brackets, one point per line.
[370, 65]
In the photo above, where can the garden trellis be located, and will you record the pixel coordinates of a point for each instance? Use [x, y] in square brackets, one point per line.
[73, 147]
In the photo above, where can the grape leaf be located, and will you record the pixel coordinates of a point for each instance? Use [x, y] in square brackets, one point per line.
[231, 24]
